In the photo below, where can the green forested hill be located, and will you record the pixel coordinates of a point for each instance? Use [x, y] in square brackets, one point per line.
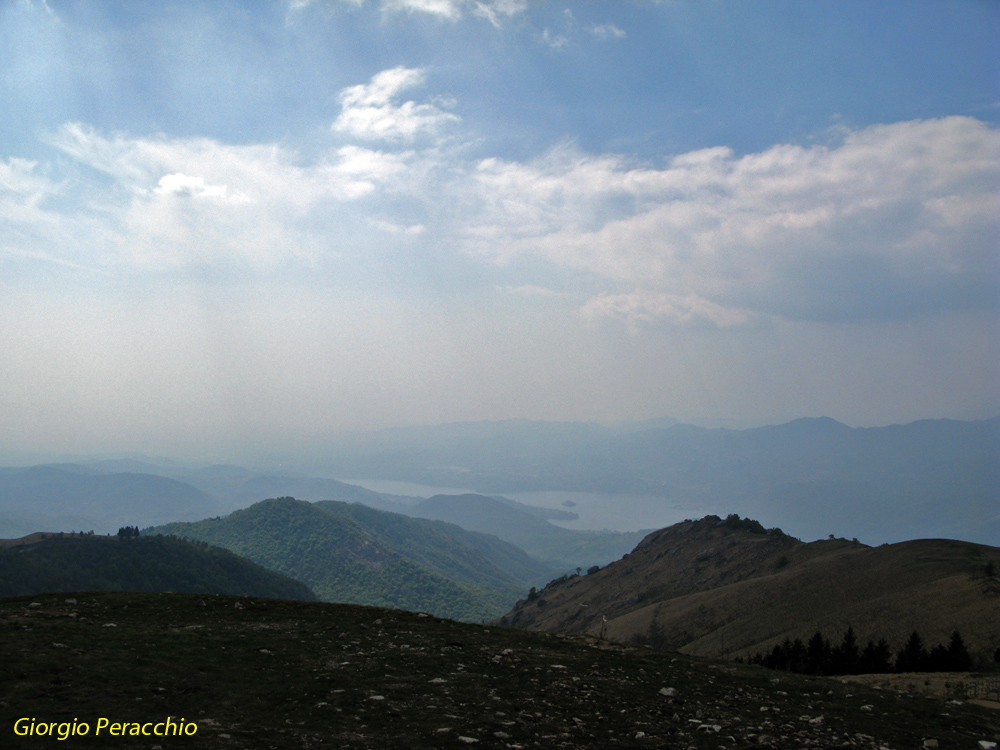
[361, 556]
[454, 552]
[78, 562]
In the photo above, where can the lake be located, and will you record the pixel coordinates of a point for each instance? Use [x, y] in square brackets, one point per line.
[598, 511]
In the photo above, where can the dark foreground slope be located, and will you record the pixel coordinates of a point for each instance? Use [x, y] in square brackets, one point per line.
[728, 588]
[79, 562]
[268, 674]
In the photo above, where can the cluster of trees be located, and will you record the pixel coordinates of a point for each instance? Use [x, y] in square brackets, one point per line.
[820, 657]
[128, 532]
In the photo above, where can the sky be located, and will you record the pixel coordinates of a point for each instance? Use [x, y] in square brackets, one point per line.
[233, 228]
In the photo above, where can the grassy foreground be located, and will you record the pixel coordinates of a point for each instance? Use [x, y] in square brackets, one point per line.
[260, 673]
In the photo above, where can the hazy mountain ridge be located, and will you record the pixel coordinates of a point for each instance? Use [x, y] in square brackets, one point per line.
[715, 588]
[560, 548]
[72, 497]
[81, 562]
[359, 555]
[812, 475]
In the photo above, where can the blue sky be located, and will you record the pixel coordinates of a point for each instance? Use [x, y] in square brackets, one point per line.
[228, 228]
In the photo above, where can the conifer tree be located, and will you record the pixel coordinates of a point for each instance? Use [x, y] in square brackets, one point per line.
[846, 655]
[876, 658]
[913, 656]
[818, 655]
[959, 658]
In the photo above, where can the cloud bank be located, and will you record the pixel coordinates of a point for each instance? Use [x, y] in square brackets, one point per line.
[894, 220]
[891, 221]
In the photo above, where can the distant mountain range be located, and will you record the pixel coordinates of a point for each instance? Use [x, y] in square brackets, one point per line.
[813, 477]
[73, 497]
[43, 563]
[727, 588]
[355, 554]
[931, 478]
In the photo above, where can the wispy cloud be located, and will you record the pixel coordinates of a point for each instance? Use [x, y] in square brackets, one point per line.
[643, 306]
[606, 31]
[370, 112]
[494, 11]
[553, 40]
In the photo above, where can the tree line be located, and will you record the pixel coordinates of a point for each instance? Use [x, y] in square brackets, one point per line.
[820, 657]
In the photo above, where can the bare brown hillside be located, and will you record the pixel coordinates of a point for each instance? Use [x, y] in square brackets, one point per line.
[718, 588]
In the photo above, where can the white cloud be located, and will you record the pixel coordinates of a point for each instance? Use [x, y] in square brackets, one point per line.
[606, 31]
[447, 9]
[20, 184]
[644, 306]
[177, 202]
[369, 112]
[493, 11]
[553, 41]
[165, 203]
[413, 230]
[193, 187]
[895, 220]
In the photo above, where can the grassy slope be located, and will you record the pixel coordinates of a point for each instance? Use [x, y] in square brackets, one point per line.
[714, 591]
[932, 586]
[262, 674]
